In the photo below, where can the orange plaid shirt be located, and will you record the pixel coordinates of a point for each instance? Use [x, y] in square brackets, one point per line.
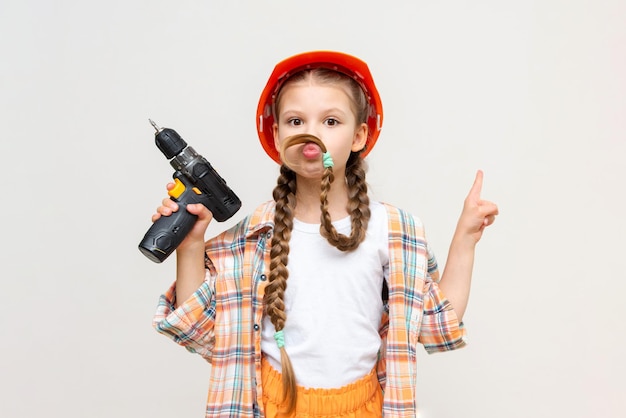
[222, 320]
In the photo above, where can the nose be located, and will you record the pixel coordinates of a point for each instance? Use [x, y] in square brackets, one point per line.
[314, 131]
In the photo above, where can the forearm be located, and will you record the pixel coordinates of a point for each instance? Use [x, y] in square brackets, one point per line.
[457, 276]
[190, 271]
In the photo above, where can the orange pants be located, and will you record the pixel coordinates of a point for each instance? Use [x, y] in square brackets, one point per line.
[361, 399]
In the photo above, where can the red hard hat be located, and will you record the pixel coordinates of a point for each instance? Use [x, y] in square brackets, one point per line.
[343, 63]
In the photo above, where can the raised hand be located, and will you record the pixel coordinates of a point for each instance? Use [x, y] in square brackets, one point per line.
[477, 213]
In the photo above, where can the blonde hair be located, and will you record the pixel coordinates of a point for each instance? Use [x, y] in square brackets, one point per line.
[285, 197]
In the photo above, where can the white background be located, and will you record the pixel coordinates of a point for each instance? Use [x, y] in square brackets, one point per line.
[532, 92]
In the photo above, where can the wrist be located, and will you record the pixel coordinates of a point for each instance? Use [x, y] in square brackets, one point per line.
[193, 248]
[463, 241]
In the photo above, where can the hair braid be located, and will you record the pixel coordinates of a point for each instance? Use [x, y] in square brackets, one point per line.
[285, 198]
[358, 206]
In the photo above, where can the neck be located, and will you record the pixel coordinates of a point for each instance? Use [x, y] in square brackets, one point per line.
[308, 200]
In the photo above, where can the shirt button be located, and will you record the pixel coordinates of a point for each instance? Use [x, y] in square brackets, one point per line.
[256, 327]
[263, 277]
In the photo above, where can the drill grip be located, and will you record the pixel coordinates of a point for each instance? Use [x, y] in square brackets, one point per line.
[167, 232]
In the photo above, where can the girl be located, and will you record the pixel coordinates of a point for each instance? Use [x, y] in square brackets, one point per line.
[314, 305]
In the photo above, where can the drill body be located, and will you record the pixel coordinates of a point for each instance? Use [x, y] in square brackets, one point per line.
[196, 181]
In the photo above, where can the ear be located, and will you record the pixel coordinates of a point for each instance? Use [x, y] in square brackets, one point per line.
[360, 137]
[275, 133]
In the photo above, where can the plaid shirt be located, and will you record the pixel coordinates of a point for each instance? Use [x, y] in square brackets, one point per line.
[222, 320]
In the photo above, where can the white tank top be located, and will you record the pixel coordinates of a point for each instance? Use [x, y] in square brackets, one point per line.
[333, 304]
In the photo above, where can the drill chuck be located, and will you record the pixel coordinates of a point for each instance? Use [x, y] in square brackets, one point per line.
[168, 141]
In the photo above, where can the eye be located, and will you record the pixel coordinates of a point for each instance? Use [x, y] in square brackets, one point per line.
[331, 122]
[294, 121]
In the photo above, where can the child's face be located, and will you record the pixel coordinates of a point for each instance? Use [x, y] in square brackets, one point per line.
[322, 110]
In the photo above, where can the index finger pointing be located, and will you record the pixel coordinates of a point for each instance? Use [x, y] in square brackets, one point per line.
[477, 186]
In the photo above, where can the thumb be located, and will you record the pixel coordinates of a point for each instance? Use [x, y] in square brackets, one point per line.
[199, 209]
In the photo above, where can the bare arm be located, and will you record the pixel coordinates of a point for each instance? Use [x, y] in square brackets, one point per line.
[457, 276]
[190, 269]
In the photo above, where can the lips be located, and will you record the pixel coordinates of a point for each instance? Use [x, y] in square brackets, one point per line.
[311, 151]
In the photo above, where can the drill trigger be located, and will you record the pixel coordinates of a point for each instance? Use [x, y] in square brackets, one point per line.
[178, 189]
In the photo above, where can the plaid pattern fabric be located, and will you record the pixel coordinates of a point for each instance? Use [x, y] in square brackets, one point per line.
[222, 320]
[418, 313]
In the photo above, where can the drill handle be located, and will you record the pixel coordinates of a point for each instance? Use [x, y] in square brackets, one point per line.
[167, 232]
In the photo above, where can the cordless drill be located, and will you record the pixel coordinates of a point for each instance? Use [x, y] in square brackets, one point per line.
[195, 182]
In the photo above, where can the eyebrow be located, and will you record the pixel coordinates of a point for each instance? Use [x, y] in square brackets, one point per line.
[332, 110]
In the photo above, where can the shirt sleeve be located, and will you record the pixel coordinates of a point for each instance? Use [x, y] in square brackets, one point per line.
[191, 324]
[433, 266]
[440, 328]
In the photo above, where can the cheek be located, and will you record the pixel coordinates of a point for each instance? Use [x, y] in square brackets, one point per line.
[290, 153]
